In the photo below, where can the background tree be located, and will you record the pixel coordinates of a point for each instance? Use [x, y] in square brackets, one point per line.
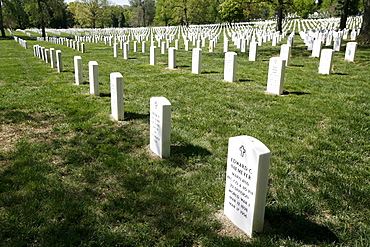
[231, 11]
[121, 20]
[143, 12]
[304, 7]
[364, 37]
[1, 20]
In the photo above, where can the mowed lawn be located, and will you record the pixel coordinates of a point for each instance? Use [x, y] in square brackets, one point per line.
[71, 176]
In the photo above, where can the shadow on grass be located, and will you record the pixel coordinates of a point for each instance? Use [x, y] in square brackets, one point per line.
[244, 80]
[15, 116]
[293, 92]
[288, 225]
[134, 116]
[210, 72]
[338, 73]
[105, 95]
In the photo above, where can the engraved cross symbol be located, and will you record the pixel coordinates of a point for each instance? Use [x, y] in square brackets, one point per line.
[242, 150]
[155, 105]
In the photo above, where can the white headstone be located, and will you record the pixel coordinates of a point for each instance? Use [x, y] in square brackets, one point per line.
[115, 50]
[143, 47]
[316, 49]
[78, 69]
[337, 43]
[59, 61]
[153, 55]
[196, 62]
[253, 50]
[230, 67]
[160, 126]
[94, 78]
[248, 165]
[285, 51]
[125, 50]
[116, 89]
[171, 58]
[351, 49]
[326, 61]
[275, 79]
[53, 60]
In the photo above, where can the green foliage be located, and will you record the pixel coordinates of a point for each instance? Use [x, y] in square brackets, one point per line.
[231, 11]
[304, 7]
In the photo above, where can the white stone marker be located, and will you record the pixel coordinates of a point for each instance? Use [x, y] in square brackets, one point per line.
[83, 47]
[351, 49]
[226, 45]
[125, 50]
[196, 62]
[153, 55]
[172, 58]
[135, 46]
[163, 47]
[94, 78]
[337, 43]
[186, 44]
[143, 47]
[160, 126]
[115, 50]
[248, 163]
[47, 56]
[275, 79]
[253, 49]
[230, 66]
[285, 52]
[116, 90]
[53, 61]
[78, 69]
[59, 61]
[316, 49]
[326, 61]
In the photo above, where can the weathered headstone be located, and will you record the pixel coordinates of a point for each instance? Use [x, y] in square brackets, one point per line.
[247, 171]
[53, 60]
[115, 50]
[316, 49]
[275, 79]
[94, 78]
[116, 90]
[337, 43]
[143, 47]
[125, 50]
[196, 62]
[160, 126]
[230, 67]
[326, 61]
[78, 69]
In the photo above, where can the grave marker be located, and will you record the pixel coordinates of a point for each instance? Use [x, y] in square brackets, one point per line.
[275, 80]
[230, 67]
[94, 78]
[196, 62]
[172, 58]
[351, 49]
[116, 89]
[160, 126]
[248, 165]
[78, 70]
[153, 55]
[326, 61]
[59, 61]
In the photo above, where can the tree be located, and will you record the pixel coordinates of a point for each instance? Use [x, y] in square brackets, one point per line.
[121, 20]
[1, 20]
[304, 7]
[364, 37]
[231, 11]
[144, 12]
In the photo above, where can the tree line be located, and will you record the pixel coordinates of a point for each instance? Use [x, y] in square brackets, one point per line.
[143, 13]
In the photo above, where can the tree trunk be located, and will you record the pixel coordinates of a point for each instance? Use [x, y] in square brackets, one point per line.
[1, 20]
[364, 37]
[279, 21]
[42, 22]
[344, 15]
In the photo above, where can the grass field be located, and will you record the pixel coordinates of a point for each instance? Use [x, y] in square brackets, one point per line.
[71, 176]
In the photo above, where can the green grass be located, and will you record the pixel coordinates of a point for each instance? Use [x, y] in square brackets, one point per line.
[70, 176]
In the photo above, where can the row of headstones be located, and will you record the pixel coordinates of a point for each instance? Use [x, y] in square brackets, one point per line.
[49, 56]
[76, 45]
[22, 42]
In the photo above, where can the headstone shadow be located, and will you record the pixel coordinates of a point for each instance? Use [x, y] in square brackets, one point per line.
[338, 73]
[105, 95]
[210, 72]
[135, 116]
[244, 80]
[289, 225]
[294, 92]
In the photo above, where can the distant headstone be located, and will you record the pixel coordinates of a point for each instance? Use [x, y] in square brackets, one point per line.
[160, 126]
[59, 61]
[94, 78]
[275, 79]
[316, 49]
[253, 49]
[230, 67]
[115, 50]
[53, 60]
[47, 56]
[78, 69]
[196, 62]
[135, 46]
[143, 47]
[125, 50]
[153, 55]
[285, 52]
[337, 43]
[116, 89]
[326, 61]
[351, 49]
[163, 47]
[248, 163]
[171, 58]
